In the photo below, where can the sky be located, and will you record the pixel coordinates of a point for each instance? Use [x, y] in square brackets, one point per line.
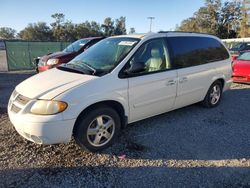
[17, 14]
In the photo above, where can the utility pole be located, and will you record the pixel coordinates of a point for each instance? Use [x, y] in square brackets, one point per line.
[150, 18]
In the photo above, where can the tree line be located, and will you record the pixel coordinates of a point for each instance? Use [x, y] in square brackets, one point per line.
[223, 19]
[64, 30]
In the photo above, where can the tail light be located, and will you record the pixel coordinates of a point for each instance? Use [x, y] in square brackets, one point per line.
[232, 64]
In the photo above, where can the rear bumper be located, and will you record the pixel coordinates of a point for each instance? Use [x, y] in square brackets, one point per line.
[239, 78]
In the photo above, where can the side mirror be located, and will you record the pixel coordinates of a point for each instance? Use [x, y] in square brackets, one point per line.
[136, 67]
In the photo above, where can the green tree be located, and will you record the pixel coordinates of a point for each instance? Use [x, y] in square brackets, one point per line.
[68, 32]
[57, 26]
[189, 24]
[95, 29]
[82, 30]
[59, 19]
[245, 28]
[221, 19]
[108, 26]
[120, 26]
[36, 32]
[131, 30]
[7, 33]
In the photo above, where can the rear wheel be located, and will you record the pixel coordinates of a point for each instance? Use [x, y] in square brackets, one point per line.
[213, 96]
[97, 129]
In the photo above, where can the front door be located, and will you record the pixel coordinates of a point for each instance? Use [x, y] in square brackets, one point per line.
[153, 90]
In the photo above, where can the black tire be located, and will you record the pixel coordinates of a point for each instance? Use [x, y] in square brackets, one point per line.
[208, 101]
[89, 119]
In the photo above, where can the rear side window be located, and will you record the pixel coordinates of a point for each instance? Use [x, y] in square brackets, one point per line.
[192, 51]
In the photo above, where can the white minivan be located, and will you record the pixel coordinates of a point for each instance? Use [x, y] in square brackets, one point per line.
[120, 80]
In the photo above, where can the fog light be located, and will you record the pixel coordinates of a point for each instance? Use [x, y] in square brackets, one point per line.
[36, 139]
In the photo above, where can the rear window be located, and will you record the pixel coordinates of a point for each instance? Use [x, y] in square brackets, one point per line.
[245, 56]
[192, 51]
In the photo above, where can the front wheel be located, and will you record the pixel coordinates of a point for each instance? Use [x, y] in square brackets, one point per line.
[97, 129]
[213, 96]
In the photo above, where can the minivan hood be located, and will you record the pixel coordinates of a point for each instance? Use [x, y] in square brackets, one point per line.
[51, 83]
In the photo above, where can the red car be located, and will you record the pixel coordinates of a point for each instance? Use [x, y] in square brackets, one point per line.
[52, 60]
[241, 68]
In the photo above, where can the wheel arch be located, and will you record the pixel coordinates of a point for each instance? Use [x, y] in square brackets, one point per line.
[117, 106]
[221, 79]
[215, 79]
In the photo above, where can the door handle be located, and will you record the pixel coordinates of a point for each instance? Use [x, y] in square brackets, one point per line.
[170, 82]
[182, 80]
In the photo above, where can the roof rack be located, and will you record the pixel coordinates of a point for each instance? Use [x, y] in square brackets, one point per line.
[183, 32]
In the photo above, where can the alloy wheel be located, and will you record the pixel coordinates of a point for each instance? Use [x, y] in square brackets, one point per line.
[101, 130]
[215, 94]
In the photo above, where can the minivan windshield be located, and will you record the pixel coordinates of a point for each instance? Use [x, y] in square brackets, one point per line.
[76, 46]
[245, 56]
[103, 56]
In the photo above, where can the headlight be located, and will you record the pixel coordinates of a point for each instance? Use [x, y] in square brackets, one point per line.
[52, 61]
[44, 107]
[41, 62]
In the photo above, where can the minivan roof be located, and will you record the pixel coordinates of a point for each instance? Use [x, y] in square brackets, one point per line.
[169, 33]
[139, 36]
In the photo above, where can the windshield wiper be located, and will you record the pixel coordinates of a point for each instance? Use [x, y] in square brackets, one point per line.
[71, 69]
[90, 67]
[77, 67]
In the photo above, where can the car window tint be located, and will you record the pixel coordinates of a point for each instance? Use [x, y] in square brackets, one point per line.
[245, 56]
[153, 55]
[247, 47]
[191, 51]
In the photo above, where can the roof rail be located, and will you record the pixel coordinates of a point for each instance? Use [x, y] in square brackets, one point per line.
[183, 32]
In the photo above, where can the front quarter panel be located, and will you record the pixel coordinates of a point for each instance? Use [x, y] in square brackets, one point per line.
[108, 87]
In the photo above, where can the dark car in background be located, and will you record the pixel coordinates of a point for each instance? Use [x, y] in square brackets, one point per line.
[54, 59]
[239, 48]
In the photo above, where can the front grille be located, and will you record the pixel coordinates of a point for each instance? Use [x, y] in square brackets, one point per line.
[15, 109]
[17, 102]
[22, 99]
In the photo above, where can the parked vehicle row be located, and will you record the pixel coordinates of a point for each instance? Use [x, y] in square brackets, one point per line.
[120, 80]
[241, 68]
[240, 48]
[240, 52]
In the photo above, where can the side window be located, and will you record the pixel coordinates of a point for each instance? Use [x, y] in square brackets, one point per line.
[153, 55]
[247, 46]
[192, 51]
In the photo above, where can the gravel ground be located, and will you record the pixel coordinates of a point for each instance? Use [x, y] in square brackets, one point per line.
[189, 147]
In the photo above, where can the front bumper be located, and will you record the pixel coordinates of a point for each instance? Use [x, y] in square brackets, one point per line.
[44, 68]
[41, 129]
[43, 132]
